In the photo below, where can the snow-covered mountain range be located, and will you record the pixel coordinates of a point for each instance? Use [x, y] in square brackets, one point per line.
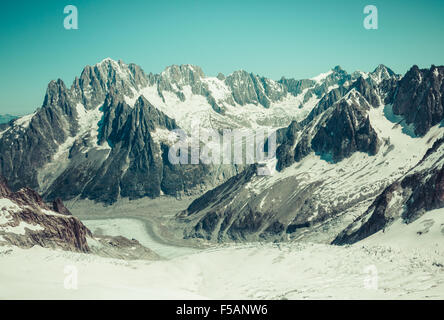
[105, 137]
[355, 151]
[365, 156]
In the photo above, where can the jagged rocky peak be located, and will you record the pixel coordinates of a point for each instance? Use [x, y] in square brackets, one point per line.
[296, 87]
[174, 78]
[368, 91]
[95, 81]
[338, 70]
[56, 93]
[249, 88]
[58, 98]
[419, 98]
[346, 131]
[338, 75]
[132, 160]
[325, 82]
[184, 74]
[220, 76]
[382, 72]
[336, 133]
[151, 116]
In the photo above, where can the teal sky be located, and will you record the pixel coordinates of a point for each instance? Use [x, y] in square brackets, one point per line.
[276, 38]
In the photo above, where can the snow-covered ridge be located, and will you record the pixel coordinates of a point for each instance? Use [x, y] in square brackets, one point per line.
[182, 93]
[322, 76]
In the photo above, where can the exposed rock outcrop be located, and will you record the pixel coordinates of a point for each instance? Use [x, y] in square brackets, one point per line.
[419, 98]
[337, 133]
[26, 220]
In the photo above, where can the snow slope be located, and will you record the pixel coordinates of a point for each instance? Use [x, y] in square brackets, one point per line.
[290, 271]
[425, 233]
[404, 262]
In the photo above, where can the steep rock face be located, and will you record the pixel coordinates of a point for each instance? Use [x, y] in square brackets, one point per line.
[96, 81]
[326, 102]
[286, 138]
[29, 144]
[335, 134]
[135, 166]
[347, 130]
[419, 98]
[248, 88]
[368, 91]
[97, 140]
[296, 87]
[213, 221]
[236, 211]
[174, 78]
[88, 141]
[320, 86]
[25, 221]
[382, 73]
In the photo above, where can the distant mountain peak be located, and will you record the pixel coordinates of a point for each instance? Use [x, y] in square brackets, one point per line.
[107, 61]
[338, 68]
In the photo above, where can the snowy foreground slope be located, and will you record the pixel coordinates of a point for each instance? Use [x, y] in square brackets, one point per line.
[412, 267]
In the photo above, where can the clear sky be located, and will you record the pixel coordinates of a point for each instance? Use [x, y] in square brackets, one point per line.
[272, 38]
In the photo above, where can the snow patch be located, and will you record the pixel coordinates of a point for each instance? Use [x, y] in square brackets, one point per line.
[24, 121]
[21, 228]
[322, 76]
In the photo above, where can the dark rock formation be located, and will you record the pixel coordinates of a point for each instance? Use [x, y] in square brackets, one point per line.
[419, 98]
[27, 221]
[59, 207]
[249, 88]
[346, 131]
[338, 133]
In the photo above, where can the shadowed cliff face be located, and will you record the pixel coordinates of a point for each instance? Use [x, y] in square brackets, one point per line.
[419, 98]
[340, 130]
